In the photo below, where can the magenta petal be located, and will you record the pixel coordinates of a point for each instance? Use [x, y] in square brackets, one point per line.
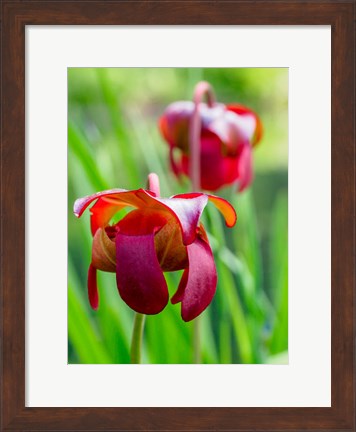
[82, 203]
[188, 209]
[93, 288]
[178, 296]
[176, 167]
[245, 167]
[201, 280]
[139, 277]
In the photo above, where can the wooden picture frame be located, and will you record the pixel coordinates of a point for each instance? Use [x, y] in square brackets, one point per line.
[16, 15]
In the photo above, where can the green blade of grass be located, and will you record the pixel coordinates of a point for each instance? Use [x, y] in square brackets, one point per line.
[279, 263]
[78, 144]
[227, 290]
[82, 333]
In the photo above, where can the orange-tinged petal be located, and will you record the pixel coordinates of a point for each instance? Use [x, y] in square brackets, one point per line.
[225, 208]
[102, 211]
[103, 252]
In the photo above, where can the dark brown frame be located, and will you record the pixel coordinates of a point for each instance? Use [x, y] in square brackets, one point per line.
[340, 15]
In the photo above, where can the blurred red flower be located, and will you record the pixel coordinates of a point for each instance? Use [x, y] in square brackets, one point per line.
[158, 235]
[227, 135]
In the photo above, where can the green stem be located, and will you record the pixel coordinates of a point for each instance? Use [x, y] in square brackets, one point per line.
[202, 89]
[137, 336]
[196, 341]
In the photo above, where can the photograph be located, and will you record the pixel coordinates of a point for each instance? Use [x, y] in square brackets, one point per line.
[177, 215]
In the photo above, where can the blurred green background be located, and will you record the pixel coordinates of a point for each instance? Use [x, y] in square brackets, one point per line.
[114, 142]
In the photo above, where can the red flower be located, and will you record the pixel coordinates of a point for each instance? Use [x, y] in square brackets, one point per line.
[159, 234]
[227, 136]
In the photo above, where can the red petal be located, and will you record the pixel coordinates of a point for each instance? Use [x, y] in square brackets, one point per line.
[244, 111]
[187, 214]
[82, 203]
[188, 209]
[225, 208]
[178, 296]
[139, 277]
[103, 255]
[213, 170]
[200, 281]
[245, 168]
[231, 169]
[174, 124]
[143, 221]
[102, 211]
[176, 166]
[93, 288]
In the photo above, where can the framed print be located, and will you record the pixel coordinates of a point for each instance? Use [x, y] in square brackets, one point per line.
[129, 134]
[238, 340]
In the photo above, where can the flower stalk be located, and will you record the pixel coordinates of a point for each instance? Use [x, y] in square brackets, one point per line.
[137, 337]
[201, 89]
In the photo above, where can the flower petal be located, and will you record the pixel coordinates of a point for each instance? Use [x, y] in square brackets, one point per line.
[187, 213]
[176, 166]
[198, 284]
[256, 125]
[188, 209]
[245, 168]
[178, 296]
[139, 277]
[174, 124]
[102, 211]
[82, 203]
[225, 208]
[93, 288]
[109, 202]
[103, 256]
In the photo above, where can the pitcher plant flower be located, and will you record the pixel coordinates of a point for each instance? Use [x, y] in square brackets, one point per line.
[158, 235]
[211, 142]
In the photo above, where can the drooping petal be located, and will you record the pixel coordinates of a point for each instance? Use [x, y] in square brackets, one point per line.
[217, 160]
[225, 208]
[174, 124]
[139, 277]
[111, 201]
[198, 284]
[232, 130]
[82, 203]
[230, 168]
[93, 288]
[187, 215]
[256, 124]
[103, 256]
[245, 168]
[188, 209]
[102, 211]
[170, 250]
[176, 166]
[178, 295]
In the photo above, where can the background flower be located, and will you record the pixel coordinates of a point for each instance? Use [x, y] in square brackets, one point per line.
[228, 133]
